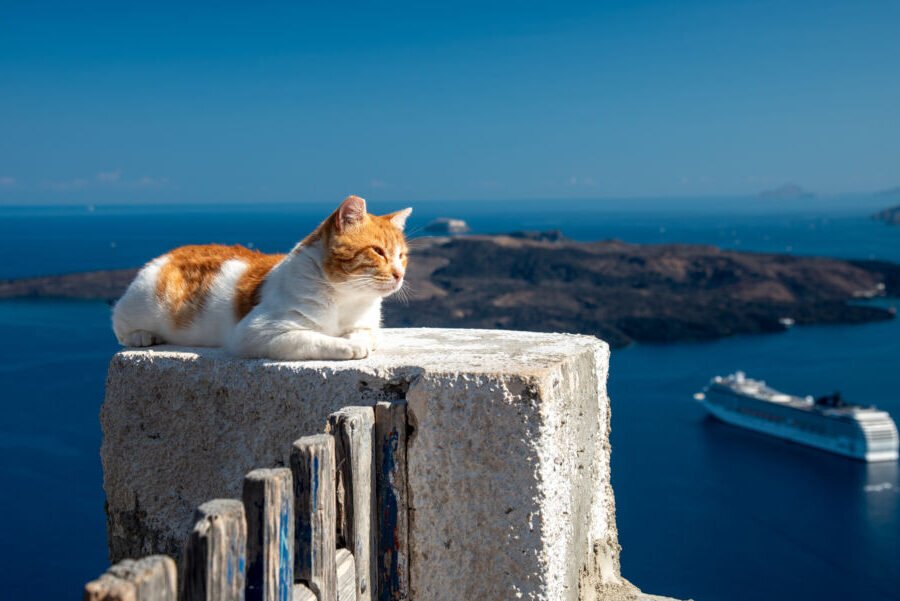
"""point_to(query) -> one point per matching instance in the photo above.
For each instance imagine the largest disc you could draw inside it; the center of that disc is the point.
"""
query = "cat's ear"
(399, 218)
(351, 212)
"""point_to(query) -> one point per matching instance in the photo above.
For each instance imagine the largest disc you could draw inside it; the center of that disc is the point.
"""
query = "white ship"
(826, 423)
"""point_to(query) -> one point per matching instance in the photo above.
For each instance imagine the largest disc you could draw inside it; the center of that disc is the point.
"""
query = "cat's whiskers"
(411, 233)
(402, 294)
(419, 242)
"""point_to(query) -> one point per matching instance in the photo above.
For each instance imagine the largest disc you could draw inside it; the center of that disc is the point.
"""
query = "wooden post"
(269, 505)
(346, 575)
(110, 588)
(301, 593)
(353, 428)
(149, 579)
(214, 556)
(312, 464)
(154, 577)
(390, 489)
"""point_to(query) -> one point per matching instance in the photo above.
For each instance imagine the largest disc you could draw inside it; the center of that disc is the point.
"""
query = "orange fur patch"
(184, 281)
(250, 285)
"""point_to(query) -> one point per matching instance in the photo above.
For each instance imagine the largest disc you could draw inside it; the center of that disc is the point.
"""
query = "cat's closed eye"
(380, 251)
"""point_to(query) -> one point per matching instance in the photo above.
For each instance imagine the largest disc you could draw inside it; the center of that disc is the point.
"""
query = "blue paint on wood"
(305, 492)
(235, 563)
(255, 574)
(387, 524)
(285, 561)
(315, 482)
(315, 505)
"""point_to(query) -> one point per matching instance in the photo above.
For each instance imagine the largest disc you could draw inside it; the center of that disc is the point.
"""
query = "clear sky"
(190, 102)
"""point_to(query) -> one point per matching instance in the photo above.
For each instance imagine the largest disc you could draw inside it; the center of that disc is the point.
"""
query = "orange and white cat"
(320, 301)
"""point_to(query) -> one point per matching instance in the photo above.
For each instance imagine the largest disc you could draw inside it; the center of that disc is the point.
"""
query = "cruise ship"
(826, 423)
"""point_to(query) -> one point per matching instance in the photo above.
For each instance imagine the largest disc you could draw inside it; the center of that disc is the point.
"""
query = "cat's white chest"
(356, 313)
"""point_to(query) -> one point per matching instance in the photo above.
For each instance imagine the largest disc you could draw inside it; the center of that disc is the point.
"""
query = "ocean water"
(704, 510)
(709, 511)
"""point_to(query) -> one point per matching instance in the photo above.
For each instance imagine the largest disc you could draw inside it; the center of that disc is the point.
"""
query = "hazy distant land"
(889, 192)
(786, 192)
(890, 215)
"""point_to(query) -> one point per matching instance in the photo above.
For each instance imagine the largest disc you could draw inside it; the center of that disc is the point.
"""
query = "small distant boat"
(827, 423)
(447, 225)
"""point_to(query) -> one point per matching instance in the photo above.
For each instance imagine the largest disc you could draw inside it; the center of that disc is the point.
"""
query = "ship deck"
(780, 399)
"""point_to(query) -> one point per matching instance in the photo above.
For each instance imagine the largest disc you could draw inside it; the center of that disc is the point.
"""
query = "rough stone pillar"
(508, 456)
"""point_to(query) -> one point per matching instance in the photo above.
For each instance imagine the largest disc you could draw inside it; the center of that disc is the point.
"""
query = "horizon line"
(807, 196)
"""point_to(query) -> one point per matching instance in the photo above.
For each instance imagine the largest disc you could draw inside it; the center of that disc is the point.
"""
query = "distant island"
(890, 215)
(889, 193)
(786, 192)
(619, 292)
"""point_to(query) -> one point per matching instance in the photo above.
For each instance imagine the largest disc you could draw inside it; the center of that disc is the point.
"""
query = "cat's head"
(362, 252)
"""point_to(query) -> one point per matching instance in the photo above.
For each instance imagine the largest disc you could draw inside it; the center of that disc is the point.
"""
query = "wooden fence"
(332, 527)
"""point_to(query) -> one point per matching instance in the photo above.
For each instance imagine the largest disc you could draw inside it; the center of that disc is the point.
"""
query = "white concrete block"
(508, 462)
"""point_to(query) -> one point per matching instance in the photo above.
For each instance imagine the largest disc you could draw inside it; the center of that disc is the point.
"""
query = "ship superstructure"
(828, 423)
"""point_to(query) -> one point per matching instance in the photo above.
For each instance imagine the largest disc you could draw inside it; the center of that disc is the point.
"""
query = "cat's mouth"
(388, 288)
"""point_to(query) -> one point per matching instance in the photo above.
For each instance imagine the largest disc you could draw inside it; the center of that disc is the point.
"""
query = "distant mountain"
(891, 215)
(889, 193)
(786, 192)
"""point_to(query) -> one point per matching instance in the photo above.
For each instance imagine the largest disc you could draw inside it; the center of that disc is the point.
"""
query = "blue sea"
(704, 510)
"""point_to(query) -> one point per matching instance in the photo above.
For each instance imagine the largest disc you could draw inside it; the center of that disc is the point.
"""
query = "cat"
(320, 301)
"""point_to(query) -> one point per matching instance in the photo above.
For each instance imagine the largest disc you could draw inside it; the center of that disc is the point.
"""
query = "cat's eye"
(380, 251)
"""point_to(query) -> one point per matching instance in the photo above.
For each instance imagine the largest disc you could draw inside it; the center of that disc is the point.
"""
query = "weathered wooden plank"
(346, 575)
(315, 540)
(110, 588)
(346, 580)
(214, 557)
(269, 505)
(301, 593)
(353, 429)
(390, 489)
(154, 577)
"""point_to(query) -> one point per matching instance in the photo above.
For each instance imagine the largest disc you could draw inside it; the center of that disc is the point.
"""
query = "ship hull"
(845, 446)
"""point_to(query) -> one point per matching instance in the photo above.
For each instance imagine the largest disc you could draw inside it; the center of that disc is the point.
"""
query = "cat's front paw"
(140, 338)
(365, 338)
(358, 350)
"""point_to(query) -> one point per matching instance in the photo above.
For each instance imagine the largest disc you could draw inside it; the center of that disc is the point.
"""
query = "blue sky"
(159, 102)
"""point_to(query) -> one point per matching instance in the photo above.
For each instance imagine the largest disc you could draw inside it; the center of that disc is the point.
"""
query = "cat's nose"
(398, 275)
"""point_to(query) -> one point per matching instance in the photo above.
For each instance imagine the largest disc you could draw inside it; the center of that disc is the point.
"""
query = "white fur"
(138, 314)
(301, 315)
(399, 218)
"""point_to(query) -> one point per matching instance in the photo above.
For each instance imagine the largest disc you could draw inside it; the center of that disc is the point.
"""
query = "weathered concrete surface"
(508, 465)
